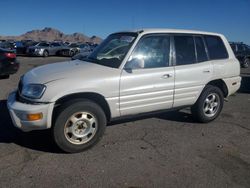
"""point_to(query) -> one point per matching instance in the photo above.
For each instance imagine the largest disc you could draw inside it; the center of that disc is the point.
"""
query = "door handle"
(206, 71)
(165, 76)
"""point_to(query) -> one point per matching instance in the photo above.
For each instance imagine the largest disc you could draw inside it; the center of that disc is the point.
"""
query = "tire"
(45, 53)
(245, 63)
(209, 104)
(90, 123)
(71, 53)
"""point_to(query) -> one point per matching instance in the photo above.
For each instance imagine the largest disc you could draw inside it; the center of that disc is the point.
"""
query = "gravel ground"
(164, 150)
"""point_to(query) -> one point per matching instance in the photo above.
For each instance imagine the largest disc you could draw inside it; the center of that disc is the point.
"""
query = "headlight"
(38, 49)
(33, 91)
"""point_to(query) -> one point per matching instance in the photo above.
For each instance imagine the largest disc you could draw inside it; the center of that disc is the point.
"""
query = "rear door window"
(200, 49)
(216, 47)
(184, 50)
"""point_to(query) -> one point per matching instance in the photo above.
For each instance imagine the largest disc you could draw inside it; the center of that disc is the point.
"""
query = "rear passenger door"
(192, 68)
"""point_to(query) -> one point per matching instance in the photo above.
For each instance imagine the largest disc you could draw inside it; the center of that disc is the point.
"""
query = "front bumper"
(18, 112)
(34, 53)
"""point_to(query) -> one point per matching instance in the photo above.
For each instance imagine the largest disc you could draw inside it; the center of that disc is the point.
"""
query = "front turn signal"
(34, 117)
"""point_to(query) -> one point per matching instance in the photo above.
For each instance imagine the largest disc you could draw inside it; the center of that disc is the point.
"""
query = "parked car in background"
(242, 52)
(153, 70)
(20, 48)
(45, 49)
(8, 45)
(66, 43)
(81, 56)
(85, 50)
(70, 50)
(8, 63)
(75, 48)
(85, 47)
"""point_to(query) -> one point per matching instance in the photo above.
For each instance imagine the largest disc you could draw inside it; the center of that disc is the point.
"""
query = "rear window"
(185, 50)
(216, 47)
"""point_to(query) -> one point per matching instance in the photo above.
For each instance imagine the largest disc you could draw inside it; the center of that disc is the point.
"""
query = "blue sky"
(102, 17)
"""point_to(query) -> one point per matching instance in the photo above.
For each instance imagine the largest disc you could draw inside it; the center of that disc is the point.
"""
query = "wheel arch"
(221, 85)
(46, 50)
(95, 97)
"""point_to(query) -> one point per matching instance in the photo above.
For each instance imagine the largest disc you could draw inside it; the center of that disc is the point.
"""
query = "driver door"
(147, 80)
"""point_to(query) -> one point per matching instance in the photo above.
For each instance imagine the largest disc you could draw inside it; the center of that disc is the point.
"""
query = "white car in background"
(45, 49)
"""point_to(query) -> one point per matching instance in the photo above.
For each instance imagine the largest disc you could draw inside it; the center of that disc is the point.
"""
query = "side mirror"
(134, 63)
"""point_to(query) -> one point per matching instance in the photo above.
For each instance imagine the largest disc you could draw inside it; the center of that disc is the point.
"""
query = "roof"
(161, 30)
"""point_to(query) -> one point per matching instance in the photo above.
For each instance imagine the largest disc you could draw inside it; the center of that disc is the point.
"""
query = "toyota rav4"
(130, 73)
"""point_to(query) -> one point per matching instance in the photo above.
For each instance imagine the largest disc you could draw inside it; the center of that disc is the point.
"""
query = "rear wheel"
(209, 104)
(79, 125)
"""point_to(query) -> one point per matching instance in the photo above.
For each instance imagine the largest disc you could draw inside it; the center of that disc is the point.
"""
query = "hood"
(65, 70)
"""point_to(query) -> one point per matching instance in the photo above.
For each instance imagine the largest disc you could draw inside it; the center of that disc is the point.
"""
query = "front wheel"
(209, 104)
(45, 53)
(79, 125)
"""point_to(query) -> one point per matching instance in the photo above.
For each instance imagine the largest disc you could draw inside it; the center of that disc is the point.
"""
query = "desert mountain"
(51, 34)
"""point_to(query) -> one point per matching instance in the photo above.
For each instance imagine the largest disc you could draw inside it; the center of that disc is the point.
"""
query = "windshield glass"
(73, 45)
(43, 44)
(83, 46)
(112, 50)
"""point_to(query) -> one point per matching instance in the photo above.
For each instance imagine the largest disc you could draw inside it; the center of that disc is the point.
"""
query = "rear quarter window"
(200, 49)
(216, 48)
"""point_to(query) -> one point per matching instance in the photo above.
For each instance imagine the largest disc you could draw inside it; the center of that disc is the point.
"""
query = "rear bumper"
(18, 112)
(233, 84)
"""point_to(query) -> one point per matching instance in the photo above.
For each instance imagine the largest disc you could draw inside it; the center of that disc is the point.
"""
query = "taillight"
(10, 55)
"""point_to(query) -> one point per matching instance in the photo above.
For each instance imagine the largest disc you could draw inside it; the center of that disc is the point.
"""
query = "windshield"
(112, 50)
(83, 46)
(43, 44)
(73, 45)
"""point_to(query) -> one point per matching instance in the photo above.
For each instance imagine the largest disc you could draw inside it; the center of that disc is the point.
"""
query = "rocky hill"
(51, 34)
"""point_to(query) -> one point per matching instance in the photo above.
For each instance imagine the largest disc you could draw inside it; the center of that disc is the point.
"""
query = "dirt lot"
(165, 150)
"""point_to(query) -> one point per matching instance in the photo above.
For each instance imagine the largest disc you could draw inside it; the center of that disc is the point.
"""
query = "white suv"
(129, 73)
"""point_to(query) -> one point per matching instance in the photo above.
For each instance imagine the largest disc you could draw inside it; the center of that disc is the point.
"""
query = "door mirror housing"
(134, 63)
